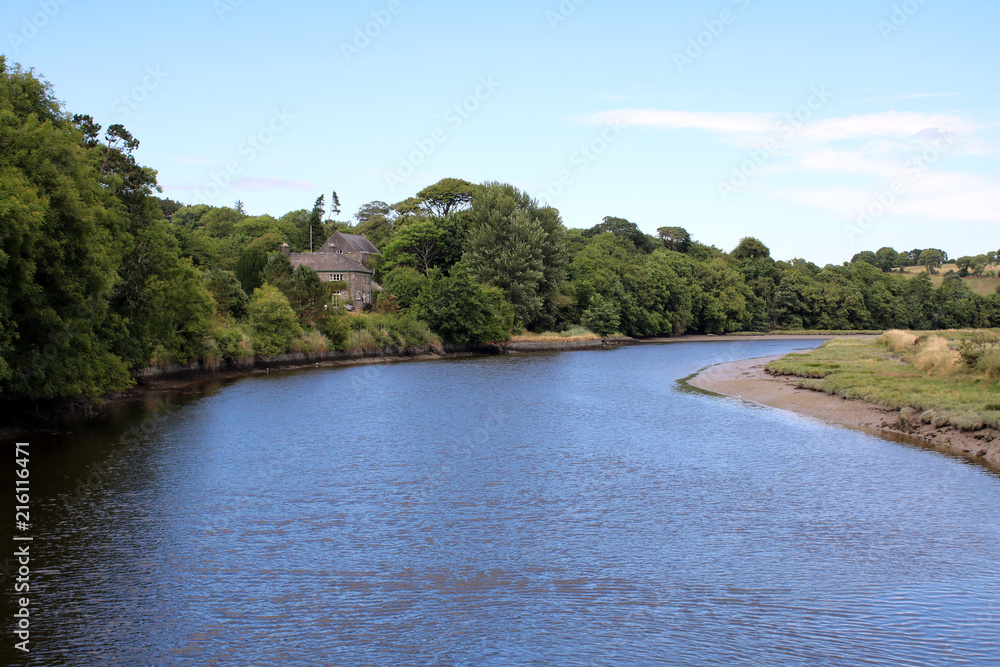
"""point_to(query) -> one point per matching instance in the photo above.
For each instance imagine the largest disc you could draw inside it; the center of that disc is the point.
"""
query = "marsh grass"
(927, 377)
(898, 341)
(572, 334)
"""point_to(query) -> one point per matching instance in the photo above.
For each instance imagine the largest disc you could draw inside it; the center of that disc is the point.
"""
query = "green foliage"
(626, 230)
(931, 258)
(377, 330)
(415, 244)
(307, 294)
(63, 238)
(335, 325)
(405, 283)
(602, 317)
(447, 196)
(250, 269)
(750, 248)
(517, 247)
(374, 223)
(675, 238)
(461, 310)
(272, 321)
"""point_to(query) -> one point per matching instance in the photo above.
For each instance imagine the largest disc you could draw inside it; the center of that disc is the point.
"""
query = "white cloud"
(719, 123)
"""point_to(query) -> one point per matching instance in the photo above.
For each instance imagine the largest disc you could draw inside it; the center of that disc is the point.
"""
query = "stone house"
(353, 246)
(341, 259)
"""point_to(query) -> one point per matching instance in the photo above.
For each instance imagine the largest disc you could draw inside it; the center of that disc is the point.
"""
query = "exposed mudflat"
(747, 380)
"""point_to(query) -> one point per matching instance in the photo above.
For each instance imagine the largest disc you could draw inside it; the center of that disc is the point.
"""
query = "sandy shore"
(747, 380)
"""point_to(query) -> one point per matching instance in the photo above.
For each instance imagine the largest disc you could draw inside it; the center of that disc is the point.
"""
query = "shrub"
(335, 325)
(272, 321)
(313, 343)
(989, 363)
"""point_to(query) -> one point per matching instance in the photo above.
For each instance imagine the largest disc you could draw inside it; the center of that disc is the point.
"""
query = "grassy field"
(981, 286)
(940, 378)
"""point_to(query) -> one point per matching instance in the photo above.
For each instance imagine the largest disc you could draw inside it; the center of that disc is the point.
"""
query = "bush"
(989, 363)
(460, 310)
(335, 326)
(312, 343)
(272, 321)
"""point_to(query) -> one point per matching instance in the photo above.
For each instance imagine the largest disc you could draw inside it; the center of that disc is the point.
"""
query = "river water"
(564, 509)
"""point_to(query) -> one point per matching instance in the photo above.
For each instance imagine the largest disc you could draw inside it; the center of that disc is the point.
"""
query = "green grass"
(953, 393)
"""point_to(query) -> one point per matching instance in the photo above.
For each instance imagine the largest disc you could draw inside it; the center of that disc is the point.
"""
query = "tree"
(316, 228)
(416, 244)
(749, 247)
(603, 317)
(866, 256)
(447, 196)
(221, 222)
(226, 290)
(516, 246)
(308, 295)
(405, 283)
(931, 258)
(272, 321)
(250, 269)
(374, 223)
(623, 228)
(674, 238)
(240, 208)
(62, 242)
(885, 258)
(979, 264)
(334, 205)
(460, 310)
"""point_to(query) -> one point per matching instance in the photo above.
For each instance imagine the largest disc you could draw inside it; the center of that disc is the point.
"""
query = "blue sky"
(820, 128)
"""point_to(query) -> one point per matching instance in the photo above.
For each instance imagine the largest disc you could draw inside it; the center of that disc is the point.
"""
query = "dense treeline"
(100, 277)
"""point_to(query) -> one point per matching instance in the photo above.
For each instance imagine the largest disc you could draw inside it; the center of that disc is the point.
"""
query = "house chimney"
(285, 248)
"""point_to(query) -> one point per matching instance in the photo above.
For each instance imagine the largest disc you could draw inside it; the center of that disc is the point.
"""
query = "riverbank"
(748, 380)
(17, 419)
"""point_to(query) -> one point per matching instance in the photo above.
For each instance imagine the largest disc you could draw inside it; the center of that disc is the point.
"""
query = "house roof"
(327, 261)
(352, 242)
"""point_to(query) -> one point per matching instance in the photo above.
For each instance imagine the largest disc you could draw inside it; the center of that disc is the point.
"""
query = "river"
(563, 509)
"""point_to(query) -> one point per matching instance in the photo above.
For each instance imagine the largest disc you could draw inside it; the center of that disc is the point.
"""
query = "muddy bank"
(748, 380)
(19, 418)
(722, 338)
